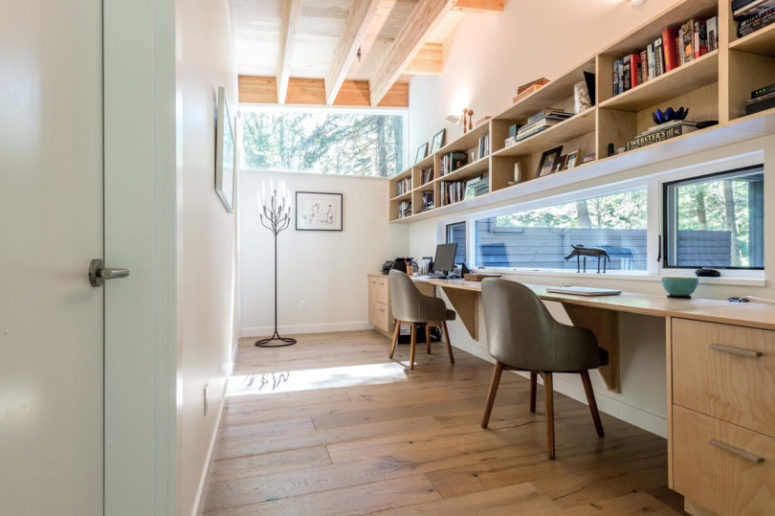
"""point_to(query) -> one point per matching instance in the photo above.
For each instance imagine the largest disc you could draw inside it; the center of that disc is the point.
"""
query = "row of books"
(404, 209)
(538, 122)
(403, 186)
(426, 175)
(428, 200)
(662, 132)
(751, 20)
(456, 191)
(743, 9)
(453, 161)
(484, 146)
(670, 50)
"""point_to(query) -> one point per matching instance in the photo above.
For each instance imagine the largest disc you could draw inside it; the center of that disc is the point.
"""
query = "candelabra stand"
(275, 218)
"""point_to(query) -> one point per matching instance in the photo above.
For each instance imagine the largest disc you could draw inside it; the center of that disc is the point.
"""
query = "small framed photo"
(574, 159)
(422, 153)
(318, 211)
(560, 163)
(438, 140)
(548, 160)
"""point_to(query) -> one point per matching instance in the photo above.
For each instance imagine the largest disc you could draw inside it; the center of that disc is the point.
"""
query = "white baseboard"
(564, 384)
(295, 329)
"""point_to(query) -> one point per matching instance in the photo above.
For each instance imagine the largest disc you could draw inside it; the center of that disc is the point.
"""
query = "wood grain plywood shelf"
(574, 127)
(690, 76)
(761, 42)
(472, 169)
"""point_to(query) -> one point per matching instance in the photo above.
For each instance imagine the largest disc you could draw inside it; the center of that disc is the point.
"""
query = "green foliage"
(324, 142)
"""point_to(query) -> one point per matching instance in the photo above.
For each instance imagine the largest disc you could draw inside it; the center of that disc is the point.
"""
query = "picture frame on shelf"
(574, 159)
(560, 163)
(422, 153)
(438, 140)
(548, 160)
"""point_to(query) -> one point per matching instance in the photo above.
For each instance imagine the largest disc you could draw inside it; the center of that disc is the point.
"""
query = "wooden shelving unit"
(713, 87)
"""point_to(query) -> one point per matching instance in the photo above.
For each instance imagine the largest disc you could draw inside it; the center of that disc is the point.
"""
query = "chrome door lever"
(98, 274)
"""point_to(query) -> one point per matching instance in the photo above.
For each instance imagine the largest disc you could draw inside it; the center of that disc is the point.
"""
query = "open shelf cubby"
(714, 87)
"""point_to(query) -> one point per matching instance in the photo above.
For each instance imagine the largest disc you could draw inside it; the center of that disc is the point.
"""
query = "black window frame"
(664, 245)
(449, 227)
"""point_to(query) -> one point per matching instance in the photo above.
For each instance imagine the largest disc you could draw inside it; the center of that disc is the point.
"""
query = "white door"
(51, 226)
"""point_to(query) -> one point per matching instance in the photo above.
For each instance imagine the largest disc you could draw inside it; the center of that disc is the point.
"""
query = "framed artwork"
(224, 151)
(318, 211)
(548, 160)
(574, 159)
(560, 164)
(422, 152)
(438, 140)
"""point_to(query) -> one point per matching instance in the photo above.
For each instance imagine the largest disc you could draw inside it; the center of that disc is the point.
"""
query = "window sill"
(750, 279)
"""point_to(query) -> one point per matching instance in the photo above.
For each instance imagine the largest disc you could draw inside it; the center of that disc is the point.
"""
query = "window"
(542, 238)
(456, 234)
(323, 140)
(716, 221)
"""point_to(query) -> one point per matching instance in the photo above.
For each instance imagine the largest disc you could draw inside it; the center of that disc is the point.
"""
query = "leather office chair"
(411, 307)
(523, 335)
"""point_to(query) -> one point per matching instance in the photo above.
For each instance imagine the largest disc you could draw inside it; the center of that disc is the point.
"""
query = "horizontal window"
(715, 221)
(327, 141)
(612, 227)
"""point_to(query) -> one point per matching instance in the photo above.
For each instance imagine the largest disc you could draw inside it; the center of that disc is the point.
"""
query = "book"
(752, 8)
(659, 55)
(669, 49)
(652, 70)
(626, 74)
(758, 22)
(586, 158)
(660, 135)
(687, 41)
(700, 45)
(617, 74)
(643, 67)
(712, 30)
(634, 65)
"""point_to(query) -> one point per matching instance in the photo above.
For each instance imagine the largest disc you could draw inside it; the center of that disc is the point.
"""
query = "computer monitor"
(445, 258)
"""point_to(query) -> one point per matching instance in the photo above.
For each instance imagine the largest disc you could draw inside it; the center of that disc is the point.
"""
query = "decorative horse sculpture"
(580, 251)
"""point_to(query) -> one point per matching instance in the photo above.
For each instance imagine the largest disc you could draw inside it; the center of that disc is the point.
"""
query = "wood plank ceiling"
(342, 52)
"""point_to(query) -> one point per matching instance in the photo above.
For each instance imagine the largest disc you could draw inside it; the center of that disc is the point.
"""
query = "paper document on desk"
(584, 291)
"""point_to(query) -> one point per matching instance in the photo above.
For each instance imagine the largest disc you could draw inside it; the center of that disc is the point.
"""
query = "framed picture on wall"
(224, 151)
(318, 211)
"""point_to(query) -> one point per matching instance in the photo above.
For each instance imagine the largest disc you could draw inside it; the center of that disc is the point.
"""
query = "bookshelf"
(713, 87)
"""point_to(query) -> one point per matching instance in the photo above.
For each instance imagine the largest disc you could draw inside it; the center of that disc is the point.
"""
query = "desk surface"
(759, 315)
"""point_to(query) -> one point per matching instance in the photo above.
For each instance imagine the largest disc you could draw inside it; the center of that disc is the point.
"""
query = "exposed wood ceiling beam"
(355, 28)
(479, 5)
(424, 17)
(428, 61)
(290, 17)
(263, 90)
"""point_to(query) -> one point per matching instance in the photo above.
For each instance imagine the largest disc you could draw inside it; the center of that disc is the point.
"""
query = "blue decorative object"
(669, 115)
(680, 287)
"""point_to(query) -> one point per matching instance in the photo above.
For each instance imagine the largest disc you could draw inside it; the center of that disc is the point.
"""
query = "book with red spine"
(700, 39)
(634, 65)
(669, 37)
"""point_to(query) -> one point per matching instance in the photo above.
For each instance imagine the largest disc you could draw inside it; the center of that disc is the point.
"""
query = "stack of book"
(662, 132)
(426, 175)
(453, 161)
(761, 100)
(484, 146)
(404, 209)
(476, 186)
(753, 15)
(542, 120)
(427, 200)
(674, 47)
(452, 192)
(403, 186)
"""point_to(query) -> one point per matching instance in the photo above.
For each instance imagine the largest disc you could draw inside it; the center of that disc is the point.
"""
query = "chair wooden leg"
(533, 378)
(449, 343)
(496, 378)
(549, 396)
(396, 333)
(592, 403)
(428, 338)
(412, 342)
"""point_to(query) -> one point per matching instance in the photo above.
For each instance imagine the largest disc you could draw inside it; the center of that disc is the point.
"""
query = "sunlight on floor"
(310, 379)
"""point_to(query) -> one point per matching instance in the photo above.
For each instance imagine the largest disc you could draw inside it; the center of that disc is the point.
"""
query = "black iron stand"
(275, 219)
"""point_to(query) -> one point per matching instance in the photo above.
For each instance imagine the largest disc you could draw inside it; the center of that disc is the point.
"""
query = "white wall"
(206, 239)
(520, 51)
(327, 269)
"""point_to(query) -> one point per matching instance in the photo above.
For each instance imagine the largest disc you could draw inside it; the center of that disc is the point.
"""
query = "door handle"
(98, 274)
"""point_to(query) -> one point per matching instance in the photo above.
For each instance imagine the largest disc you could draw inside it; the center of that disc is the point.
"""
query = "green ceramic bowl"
(679, 287)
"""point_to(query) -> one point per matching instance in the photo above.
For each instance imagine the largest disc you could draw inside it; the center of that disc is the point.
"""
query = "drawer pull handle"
(737, 451)
(736, 351)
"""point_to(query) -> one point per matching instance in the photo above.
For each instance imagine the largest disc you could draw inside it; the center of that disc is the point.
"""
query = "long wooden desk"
(720, 386)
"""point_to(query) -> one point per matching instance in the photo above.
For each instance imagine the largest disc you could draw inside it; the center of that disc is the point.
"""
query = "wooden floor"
(369, 435)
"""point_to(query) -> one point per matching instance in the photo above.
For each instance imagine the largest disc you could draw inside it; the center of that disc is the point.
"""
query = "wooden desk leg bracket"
(605, 325)
(466, 304)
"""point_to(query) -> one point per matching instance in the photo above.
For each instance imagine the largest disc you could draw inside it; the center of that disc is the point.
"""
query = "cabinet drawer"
(381, 317)
(378, 288)
(725, 371)
(715, 464)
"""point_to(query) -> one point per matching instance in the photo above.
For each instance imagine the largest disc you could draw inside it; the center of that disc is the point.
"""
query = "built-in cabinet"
(380, 315)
